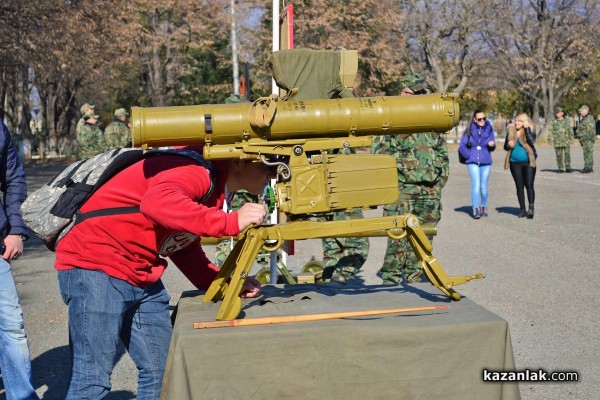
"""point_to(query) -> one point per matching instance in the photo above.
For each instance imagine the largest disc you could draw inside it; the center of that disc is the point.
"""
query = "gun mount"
(297, 138)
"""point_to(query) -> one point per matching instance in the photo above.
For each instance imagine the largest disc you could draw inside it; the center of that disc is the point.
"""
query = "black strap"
(80, 217)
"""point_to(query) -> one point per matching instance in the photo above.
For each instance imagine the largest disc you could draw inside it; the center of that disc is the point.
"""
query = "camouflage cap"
(583, 107)
(559, 109)
(120, 111)
(86, 108)
(234, 98)
(88, 116)
(414, 82)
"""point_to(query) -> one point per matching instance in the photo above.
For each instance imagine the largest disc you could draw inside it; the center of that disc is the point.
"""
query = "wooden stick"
(284, 319)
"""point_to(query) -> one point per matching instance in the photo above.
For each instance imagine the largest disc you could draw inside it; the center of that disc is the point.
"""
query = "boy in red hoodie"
(109, 267)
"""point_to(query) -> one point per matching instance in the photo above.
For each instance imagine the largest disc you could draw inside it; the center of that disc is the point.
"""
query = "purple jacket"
(480, 152)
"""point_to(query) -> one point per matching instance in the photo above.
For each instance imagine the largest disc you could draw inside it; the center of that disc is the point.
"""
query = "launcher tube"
(230, 123)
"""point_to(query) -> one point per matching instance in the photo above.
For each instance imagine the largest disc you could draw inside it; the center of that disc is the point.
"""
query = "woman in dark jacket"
(476, 145)
(520, 157)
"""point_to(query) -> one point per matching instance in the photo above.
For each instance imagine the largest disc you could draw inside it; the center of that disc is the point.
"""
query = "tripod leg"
(429, 264)
(232, 304)
(217, 288)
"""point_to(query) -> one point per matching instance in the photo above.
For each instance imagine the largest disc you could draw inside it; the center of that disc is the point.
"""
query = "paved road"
(541, 277)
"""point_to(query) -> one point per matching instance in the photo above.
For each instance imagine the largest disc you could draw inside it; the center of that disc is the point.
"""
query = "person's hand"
(250, 288)
(526, 124)
(14, 247)
(468, 145)
(511, 144)
(251, 213)
(491, 143)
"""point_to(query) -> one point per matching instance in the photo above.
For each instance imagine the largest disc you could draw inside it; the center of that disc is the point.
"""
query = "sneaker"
(484, 211)
(476, 213)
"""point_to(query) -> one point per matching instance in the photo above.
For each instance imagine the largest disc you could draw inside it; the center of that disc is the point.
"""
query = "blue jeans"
(479, 183)
(105, 311)
(15, 364)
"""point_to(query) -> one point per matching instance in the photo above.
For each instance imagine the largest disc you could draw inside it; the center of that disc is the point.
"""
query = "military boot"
(523, 213)
(414, 277)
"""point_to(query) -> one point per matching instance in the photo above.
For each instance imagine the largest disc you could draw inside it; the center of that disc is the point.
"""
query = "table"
(422, 355)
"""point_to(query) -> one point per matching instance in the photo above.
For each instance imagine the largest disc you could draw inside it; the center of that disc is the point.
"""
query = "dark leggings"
(524, 175)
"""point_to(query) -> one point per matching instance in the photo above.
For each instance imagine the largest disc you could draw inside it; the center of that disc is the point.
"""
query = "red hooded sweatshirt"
(167, 188)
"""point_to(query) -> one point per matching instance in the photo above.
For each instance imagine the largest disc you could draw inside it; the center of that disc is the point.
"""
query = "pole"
(234, 55)
(307, 317)
(274, 88)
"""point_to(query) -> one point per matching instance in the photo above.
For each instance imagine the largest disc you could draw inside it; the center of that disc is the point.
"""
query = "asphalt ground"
(541, 276)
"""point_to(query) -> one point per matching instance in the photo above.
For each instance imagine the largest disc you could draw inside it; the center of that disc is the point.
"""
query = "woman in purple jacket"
(476, 145)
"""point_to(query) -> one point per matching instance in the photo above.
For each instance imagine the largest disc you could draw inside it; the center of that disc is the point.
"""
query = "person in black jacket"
(15, 363)
(520, 158)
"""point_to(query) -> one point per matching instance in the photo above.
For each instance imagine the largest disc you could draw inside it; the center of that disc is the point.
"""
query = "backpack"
(52, 210)
(461, 158)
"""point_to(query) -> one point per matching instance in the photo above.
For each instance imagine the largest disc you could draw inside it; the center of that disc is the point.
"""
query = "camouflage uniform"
(90, 140)
(343, 257)
(561, 136)
(586, 133)
(423, 168)
(117, 133)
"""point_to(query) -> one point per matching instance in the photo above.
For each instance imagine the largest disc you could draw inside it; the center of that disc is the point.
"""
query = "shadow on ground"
(51, 372)
(508, 210)
(464, 209)
(557, 171)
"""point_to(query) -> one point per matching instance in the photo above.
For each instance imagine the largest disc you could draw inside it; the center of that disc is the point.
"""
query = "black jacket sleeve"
(530, 137)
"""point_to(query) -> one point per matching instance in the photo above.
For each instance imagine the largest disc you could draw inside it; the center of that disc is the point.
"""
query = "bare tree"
(168, 32)
(444, 41)
(543, 48)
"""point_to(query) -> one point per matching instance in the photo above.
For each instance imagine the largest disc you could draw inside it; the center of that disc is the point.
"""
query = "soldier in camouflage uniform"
(343, 257)
(561, 136)
(423, 168)
(117, 133)
(90, 138)
(224, 247)
(586, 133)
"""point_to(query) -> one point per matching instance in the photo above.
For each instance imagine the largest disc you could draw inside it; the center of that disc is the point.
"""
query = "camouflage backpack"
(51, 211)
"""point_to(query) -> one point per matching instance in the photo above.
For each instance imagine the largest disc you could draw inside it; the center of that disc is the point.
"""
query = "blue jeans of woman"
(15, 364)
(479, 183)
(105, 311)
